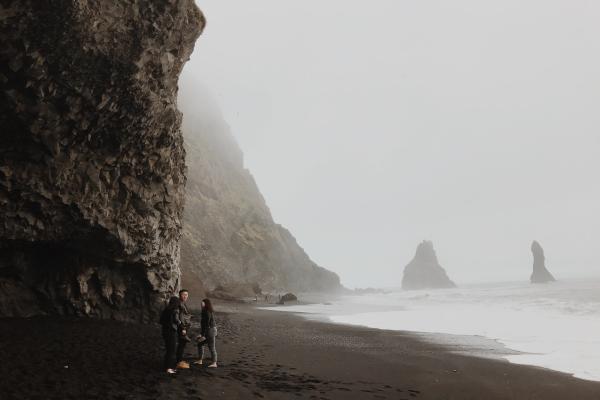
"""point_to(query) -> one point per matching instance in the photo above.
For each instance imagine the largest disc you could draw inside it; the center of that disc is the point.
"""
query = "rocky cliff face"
(540, 274)
(91, 154)
(424, 271)
(229, 235)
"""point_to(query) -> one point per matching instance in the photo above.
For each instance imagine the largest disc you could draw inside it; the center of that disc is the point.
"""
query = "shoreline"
(472, 345)
(538, 336)
(436, 369)
(262, 354)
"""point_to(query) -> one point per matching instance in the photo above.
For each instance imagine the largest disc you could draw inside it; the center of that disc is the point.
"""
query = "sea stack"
(540, 274)
(424, 271)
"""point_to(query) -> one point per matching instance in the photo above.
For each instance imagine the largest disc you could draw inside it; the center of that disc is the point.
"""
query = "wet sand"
(263, 355)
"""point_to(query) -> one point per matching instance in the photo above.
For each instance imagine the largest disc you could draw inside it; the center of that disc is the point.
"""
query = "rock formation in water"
(229, 235)
(424, 271)
(91, 155)
(540, 274)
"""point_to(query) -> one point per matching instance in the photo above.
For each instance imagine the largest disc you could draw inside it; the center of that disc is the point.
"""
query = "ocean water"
(555, 326)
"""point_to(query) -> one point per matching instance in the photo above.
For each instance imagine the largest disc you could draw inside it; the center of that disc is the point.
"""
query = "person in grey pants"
(208, 329)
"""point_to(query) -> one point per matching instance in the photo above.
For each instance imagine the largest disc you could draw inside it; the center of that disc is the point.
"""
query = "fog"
(370, 126)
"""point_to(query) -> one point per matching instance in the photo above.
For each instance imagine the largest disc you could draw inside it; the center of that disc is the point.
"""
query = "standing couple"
(175, 321)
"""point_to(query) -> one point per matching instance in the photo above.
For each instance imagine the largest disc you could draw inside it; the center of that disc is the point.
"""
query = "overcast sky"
(372, 125)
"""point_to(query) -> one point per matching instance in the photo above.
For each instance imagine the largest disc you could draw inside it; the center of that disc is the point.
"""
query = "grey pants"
(211, 343)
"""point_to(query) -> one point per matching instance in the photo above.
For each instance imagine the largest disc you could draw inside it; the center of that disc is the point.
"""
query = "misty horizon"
(470, 124)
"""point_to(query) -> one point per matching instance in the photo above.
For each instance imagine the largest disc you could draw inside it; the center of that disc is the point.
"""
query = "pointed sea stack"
(424, 271)
(540, 274)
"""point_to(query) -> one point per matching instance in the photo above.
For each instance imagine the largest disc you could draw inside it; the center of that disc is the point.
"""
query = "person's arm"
(177, 321)
(204, 324)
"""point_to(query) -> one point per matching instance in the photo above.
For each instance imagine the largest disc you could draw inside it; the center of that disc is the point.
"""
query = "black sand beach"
(263, 354)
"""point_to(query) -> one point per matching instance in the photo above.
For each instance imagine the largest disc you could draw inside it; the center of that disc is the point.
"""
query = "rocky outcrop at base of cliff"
(540, 273)
(229, 236)
(424, 271)
(236, 292)
(91, 155)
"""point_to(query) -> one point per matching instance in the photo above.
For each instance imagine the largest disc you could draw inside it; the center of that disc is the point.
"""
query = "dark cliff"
(229, 236)
(91, 154)
(424, 271)
(540, 273)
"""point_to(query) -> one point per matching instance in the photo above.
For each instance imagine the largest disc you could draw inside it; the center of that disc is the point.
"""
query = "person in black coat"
(171, 325)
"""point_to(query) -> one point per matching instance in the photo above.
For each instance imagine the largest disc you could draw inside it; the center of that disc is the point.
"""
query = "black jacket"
(207, 320)
(169, 319)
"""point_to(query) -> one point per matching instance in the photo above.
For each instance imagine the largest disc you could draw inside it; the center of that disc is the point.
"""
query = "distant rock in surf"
(540, 274)
(424, 271)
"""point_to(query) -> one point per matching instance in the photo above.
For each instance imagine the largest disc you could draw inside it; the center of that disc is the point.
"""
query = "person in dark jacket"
(171, 325)
(185, 316)
(208, 328)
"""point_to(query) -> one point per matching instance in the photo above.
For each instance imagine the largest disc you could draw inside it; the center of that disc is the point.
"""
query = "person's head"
(207, 305)
(183, 295)
(173, 303)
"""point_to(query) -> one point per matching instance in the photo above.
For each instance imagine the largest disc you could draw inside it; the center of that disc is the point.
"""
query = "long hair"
(207, 305)
(173, 303)
(165, 315)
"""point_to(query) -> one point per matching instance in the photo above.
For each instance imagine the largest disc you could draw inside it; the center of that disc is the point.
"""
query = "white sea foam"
(554, 326)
